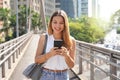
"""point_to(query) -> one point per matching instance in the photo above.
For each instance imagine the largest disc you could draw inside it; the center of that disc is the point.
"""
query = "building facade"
(69, 6)
(49, 7)
(88, 7)
(57, 4)
(84, 7)
(5, 4)
(94, 8)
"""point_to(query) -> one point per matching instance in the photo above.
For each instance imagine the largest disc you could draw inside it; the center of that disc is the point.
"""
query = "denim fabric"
(49, 75)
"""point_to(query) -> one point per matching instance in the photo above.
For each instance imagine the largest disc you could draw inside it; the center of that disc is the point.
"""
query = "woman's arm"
(70, 56)
(39, 57)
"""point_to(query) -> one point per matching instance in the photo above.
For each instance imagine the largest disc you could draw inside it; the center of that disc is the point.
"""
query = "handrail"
(91, 58)
(94, 57)
(10, 51)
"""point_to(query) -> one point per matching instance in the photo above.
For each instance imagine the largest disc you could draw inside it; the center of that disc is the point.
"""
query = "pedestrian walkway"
(28, 58)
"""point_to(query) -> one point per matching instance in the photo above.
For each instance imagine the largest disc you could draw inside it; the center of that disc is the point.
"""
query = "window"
(5, 2)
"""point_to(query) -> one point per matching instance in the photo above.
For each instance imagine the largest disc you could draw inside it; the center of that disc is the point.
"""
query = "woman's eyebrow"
(54, 20)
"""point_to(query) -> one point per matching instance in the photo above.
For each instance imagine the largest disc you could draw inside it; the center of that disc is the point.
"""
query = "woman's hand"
(63, 51)
(55, 51)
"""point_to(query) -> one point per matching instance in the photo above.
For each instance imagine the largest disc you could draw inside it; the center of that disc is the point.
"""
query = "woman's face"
(57, 24)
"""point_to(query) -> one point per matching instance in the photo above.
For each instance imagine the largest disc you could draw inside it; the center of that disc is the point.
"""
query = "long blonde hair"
(66, 33)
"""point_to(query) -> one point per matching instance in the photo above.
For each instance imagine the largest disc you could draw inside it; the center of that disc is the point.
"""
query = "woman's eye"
(62, 23)
(54, 22)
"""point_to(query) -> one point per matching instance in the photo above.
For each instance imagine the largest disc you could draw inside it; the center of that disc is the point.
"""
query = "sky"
(108, 7)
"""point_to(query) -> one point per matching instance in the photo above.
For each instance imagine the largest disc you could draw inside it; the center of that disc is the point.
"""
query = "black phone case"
(58, 43)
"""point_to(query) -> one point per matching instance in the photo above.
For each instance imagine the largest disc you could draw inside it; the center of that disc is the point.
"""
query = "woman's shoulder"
(73, 39)
(43, 34)
(46, 34)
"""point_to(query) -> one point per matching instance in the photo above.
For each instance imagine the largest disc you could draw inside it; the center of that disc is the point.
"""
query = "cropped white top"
(56, 62)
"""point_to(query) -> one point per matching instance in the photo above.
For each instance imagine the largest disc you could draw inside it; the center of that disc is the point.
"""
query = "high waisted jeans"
(49, 75)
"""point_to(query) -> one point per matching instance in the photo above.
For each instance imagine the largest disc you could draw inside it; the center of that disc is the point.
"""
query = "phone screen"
(58, 43)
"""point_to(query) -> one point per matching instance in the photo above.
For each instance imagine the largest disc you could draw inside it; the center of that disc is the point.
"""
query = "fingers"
(55, 51)
(64, 51)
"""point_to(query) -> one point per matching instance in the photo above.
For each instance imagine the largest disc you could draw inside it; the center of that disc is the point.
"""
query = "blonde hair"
(66, 33)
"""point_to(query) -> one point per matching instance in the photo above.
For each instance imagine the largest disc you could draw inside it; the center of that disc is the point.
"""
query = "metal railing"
(10, 52)
(97, 63)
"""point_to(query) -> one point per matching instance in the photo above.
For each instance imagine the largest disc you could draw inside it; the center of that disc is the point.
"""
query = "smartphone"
(58, 43)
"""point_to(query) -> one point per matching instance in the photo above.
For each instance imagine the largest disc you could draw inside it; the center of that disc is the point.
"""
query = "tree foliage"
(4, 16)
(22, 19)
(86, 29)
(36, 21)
(115, 18)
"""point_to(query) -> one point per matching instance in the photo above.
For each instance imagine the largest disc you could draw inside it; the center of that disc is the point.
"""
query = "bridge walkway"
(28, 58)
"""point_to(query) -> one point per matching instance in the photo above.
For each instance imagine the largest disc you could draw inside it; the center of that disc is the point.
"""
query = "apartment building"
(93, 8)
(49, 7)
(84, 7)
(89, 8)
(5, 4)
(57, 4)
(69, 6)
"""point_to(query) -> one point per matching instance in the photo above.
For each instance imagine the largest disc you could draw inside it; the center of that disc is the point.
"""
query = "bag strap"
(45, 43)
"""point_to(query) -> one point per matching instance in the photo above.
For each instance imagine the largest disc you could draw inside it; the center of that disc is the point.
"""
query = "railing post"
(9, 61)
(91, 65)
(113, 69)
(3, 67)
(80, 61)
(13, 58)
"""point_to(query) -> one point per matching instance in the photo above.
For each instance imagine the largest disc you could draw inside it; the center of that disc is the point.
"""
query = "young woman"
(57, 61)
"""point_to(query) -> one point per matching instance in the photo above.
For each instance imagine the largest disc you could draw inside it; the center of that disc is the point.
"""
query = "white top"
(56, 62)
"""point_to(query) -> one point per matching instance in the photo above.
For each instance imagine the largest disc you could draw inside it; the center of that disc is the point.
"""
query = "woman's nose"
(58, 25)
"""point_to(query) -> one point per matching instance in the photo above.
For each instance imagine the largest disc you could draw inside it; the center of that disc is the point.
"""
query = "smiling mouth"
(58, 29)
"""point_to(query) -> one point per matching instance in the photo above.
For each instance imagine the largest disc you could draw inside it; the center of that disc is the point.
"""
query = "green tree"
(115, 18)
(86, 29)
(22, 20)
(13, 24)
(5, 16)
(36, 21)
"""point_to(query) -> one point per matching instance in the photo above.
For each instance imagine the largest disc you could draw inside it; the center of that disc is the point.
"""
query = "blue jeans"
(49, 75)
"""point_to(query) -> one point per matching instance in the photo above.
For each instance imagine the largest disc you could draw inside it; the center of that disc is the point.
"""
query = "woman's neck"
(57, 36)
